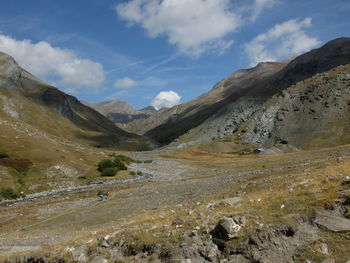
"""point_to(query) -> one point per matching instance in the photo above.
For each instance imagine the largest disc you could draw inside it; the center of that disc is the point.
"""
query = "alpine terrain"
(254, 171)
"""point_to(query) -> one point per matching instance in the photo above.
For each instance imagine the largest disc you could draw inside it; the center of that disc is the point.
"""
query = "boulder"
(333, 222)
(228, 227)
(80, 254)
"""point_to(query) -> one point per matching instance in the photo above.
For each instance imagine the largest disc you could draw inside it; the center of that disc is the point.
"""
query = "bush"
(119, 164)
(109, 171)
(104, 164)
(3, 155)
(9, 193)
(132, 173)
(111, 167)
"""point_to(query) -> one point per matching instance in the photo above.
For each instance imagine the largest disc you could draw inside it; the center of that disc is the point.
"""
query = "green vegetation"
(110, 167)
(132, 173)
(3, 155)
(110, 171)
(8, 193)
(125, 159)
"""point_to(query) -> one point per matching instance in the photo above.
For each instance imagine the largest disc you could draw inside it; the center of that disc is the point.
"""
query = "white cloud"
(259, 6)
(125, 83)
(280, 42)
(194, 26)
(166, 99)
(45, 61)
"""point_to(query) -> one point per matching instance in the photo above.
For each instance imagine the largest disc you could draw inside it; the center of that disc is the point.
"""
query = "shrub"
(3, 155)
(119, 164)
(110, 171)
(82, 177)
(9, 193)
(112, 167)
(104, 164)
(132, 173)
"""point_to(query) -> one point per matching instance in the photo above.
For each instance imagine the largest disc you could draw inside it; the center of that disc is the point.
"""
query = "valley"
(254, 171)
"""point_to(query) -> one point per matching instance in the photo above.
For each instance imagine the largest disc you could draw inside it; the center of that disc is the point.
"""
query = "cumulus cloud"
(125, 83)
(166, 99)
(280, 42)
(194, 26)
(63, 65)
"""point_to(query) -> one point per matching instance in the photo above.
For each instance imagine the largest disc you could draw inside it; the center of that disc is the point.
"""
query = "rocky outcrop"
(232, 101)
(311, 113)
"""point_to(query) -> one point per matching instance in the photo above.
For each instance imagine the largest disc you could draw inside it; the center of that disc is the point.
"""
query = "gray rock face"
(304, 114)
(332, 222)
(278, 244)
(228, 227)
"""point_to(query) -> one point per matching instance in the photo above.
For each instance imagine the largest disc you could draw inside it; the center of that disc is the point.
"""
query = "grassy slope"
(46, 142)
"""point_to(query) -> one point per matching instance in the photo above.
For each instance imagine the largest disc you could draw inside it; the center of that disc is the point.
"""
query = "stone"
(116, 255)
(99, 259)
(230, 201)
(324, 249)
(80, 254)
(332, 222)
(346, 180)
(228, 227)
(104, 244)
(210, 251)
(177, 222)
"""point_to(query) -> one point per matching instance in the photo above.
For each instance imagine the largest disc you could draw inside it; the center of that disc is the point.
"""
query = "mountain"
(168, 124)
(20, 87)
(149, 110)
(231, 102)
(121, 112)
(312, 113)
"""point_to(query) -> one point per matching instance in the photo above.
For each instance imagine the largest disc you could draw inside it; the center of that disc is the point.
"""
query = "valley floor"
(187, 186)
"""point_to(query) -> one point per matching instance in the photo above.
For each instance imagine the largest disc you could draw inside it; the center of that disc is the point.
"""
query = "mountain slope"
(232, 101)
(312, 113)
(168, 124)
(93, 126)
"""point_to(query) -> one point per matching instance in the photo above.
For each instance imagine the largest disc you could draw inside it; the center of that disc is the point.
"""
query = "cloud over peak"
(166, 99)
(282, 41)
(62, 65)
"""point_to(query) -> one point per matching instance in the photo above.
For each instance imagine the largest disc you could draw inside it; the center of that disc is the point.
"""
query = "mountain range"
(270, 108)
(239, 99)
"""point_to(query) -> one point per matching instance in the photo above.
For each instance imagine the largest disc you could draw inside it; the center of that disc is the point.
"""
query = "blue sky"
(134, 50)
